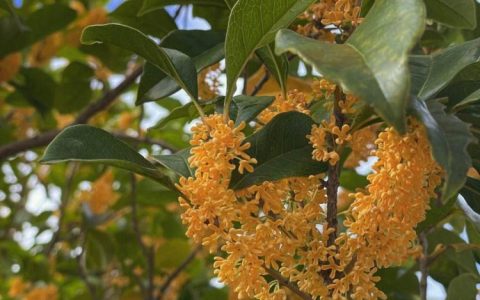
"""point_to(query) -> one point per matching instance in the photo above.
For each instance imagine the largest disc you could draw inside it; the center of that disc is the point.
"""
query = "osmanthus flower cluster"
(277, 232)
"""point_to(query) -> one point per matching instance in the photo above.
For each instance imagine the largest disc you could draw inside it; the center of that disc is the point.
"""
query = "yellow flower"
(41, 52)
(48, 292)
(17, 287)
(9, 66)
(102, 196)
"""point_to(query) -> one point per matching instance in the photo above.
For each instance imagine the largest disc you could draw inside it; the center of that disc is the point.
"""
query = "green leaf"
(74, 91)
(454, 13)
(248, 107)
(172, 253)
(377, 52)
(230, 3)
(89, 144)
(282, 150)
(41, 23)
(351, 180)
(174, 63)
(204, 47)
(177, 162)
(451, 263)
(38, 89)
(463, 287)
(152, 5)
(156, 23)
(470, 213)
(432, 73)
(243, 39)
(276, 64)
(471, 99)
(449, 137)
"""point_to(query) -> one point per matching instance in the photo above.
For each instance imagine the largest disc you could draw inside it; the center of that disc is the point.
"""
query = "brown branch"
(177, 271)
(286, 283)
(260, 84)
(45, 138)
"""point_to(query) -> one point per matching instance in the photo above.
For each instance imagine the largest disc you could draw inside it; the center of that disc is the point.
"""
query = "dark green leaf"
(471, 99)
(248, 108)
(472, 215)
(89, 144)
(451, 263)
(204, 47)
(74, 91)
(243, 38)
(351, 180)
(276, 64)
(41, 23)
(172, 253)
(375, 53)
(449, 137)
(455, 13)
(177, 162)
(463, 287)
(282, 150)
(156, 23)
(432, 73)
(174, 63)
(38, 89)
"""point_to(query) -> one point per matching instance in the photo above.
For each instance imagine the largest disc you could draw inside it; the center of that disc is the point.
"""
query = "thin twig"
(148, 252)
(45, 138)
(82, 269)
(177, 271)
(286, 283)
(261, 83)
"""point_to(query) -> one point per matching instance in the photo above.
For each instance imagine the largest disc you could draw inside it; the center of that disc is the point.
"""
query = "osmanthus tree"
(346, 168)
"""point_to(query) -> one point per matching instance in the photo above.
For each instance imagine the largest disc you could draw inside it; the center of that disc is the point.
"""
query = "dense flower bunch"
(209, 203)
(20, 289)
(381, 224)
(276, 232)
(326, 18)
(101, 196)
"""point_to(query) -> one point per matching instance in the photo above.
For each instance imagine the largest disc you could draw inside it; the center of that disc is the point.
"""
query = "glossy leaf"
(434, 72)
(248, 107)
(282, 150)
(276, 64)
(471, 99)
(204, 47)
(454, 13)
(89, 144)
(174, 63)
(74, 90)
(243, 38)
(472, 215)
(463, 287)
(177, 162)
(450, 138)
(156, 23)
(377, 52)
